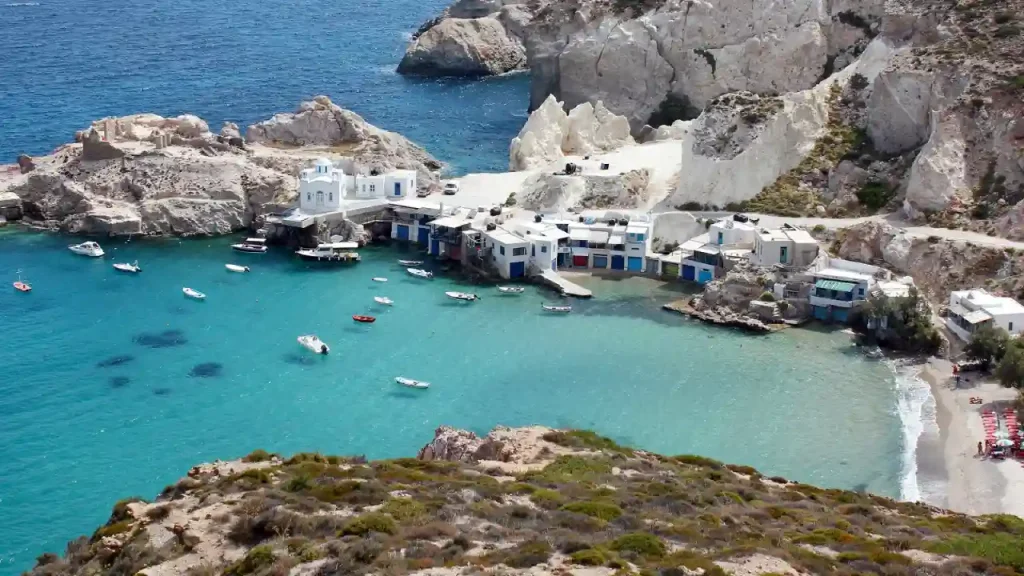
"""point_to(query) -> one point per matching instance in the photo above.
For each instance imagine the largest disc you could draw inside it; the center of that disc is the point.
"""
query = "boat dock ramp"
(555, 280)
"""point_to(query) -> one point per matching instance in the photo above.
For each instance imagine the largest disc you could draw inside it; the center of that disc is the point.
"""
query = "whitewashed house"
(412, 219)
(367, 187)
(399, 184)
(637, 237)
(510, 253)
(786, 246)
(730, 232)
(971, 309)
(321, 188)
(840, 286)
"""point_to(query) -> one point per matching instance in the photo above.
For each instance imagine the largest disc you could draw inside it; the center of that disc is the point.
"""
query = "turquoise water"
(75, 436)
(242, 62)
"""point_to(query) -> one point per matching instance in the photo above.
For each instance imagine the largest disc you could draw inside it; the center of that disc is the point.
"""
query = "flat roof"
(415, 203)
(617, 239)
(991, 303)
(599, 236)
(505, 237)
(835, 285)
(801, 237)
(452, 222)
(840, 274)
(579, 233)
(637, 228)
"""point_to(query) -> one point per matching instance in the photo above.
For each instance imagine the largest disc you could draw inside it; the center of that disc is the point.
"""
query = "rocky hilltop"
(145, 174)
(528, 501)
(801, 107)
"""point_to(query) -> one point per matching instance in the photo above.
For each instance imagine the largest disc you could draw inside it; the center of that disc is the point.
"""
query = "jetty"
(721, 317)
(567, 288)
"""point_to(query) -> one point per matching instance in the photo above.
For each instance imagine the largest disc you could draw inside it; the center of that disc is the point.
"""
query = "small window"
(502, 250)
(639, 237)
(330, 196)
(309, 196)
(373, 187)
(1011, 327)
(519, 251)
(543, 249)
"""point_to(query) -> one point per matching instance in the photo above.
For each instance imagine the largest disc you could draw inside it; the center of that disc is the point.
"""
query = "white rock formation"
(464, 47)
(898, 110)
(550, 134)
(939, 171)
(552, 192)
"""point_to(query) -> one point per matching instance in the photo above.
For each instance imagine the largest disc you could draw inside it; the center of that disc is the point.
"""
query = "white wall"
(369, 186)
(1012, 323)
(543, 253)
(321, 194)
(731, 235)
(404, 179)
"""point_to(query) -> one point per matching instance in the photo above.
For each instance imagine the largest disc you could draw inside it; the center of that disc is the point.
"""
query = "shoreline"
(972, 485)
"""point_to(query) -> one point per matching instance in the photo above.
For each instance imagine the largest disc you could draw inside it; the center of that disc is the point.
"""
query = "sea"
(113, 385)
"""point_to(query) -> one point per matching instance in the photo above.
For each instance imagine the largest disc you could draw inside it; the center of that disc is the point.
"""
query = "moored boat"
(313, 344)
(411, 262)
(383, 300)
(89, 248)
(364, 319)
(331, 252)
(379, 279)
(464, 296)
(558, 309)
(22, 286)
(236, 268)
(511, 289)
(194, 294)
(420, 273)
(134, 267)
(409, 382)
(251, 245)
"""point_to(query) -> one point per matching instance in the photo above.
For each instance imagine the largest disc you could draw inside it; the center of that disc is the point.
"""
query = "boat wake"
(915, 406)
(20, 4)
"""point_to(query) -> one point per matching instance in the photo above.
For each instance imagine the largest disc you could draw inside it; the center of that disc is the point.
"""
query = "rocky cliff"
(145, 174)
(528, 501)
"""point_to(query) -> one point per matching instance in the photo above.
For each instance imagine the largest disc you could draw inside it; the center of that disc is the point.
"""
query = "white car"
(451, 188)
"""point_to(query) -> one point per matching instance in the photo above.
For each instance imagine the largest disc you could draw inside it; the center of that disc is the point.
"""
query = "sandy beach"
(975, 485)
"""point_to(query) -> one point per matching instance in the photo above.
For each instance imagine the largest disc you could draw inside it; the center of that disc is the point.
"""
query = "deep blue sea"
(64, 63)
(104, 394)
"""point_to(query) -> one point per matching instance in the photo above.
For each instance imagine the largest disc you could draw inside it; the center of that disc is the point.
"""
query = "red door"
(580, 261)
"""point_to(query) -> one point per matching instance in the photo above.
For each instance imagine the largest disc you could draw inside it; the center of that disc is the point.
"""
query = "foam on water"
(915, 406)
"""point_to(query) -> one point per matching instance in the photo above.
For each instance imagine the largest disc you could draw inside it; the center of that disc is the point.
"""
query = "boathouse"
(509, 252)
(412, 218)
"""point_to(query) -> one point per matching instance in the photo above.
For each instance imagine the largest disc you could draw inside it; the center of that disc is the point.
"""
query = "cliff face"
(531, 501)
(145, 174)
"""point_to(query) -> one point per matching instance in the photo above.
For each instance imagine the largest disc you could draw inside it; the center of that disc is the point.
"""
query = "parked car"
(451, 188)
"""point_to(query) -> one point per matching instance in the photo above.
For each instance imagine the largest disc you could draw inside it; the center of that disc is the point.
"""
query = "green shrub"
(874, 195)
(511, 200)
(766, 296)
(306, 457)
(546, 498)
(404, 509)
(584, 439)
(120, 511)
(818, 228)
(258, 456)
(298, 483)
(1010, 370)
(113, 529)
(157, 513)
(566, 468)
(523, 555)
(589, 557)
(257, 559)
(606, 511)
(699, 461)
(371, 522)
(641, 543)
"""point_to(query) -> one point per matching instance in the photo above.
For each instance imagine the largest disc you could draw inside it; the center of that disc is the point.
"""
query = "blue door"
(618, 262)
(840, 314)
(635, 264)
(688, 272)
(821, 313)
(424, 235)
(704, 276)
(561, 259)
(435, 247)
(600, 261)
(517, 269)
(403, 232)
(398, 188)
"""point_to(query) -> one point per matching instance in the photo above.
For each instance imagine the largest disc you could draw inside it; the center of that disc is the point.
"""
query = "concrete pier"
(555, 280)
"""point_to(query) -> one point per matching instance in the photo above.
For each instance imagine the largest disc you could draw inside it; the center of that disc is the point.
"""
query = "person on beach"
(979, 448)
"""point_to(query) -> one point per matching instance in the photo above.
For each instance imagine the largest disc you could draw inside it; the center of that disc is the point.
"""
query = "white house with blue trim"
(510, 253)
(841, 286)
(322, 187)
(412, 219)
(637, 236)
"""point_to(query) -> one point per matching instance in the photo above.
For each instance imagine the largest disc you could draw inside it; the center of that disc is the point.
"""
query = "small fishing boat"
(314, 344)
(236, 268)
(89, 248)
(251, 245)
(364, 319)
(22, 286)
(420, 273)
(511, 289)
(464, 296)
(379, 279)
(411, 262)
(134, 267)
(331, 252)
(383, 300)
(558, 309)
(409, 382)
(194, 294)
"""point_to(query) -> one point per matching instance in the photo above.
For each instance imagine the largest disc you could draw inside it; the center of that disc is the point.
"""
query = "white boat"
(236, 268)
(336, 252)
(511, 289)
(314, 344)
(134, 267)
(251, 245)
(383, 300)
(89, 248)
(465, 296)
(411, 262)
(559, 309)
(379, 279)
(420, 273)
(412, 383)
(194, 293)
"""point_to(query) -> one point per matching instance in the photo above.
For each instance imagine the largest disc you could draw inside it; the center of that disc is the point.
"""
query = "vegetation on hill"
(594, 503)
(902, 324)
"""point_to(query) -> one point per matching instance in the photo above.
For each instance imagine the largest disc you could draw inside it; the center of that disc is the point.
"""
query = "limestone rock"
(550, 134)
(464, 47)
(553, 191)
(190, 126)
(230, 130)
(898, 110)
(939, 172)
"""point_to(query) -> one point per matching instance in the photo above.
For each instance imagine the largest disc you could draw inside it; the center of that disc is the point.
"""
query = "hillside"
(526, 501)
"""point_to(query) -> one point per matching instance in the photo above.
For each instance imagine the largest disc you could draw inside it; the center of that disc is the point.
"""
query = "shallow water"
(67, 63)
(116, 384)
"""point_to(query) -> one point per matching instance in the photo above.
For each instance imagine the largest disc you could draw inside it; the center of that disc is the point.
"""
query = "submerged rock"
(165, 339)
(119, 381)
(207, 370)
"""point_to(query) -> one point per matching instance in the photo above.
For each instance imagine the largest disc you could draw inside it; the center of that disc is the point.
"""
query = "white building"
(730, 232)
(369, 186)
(637, 237)
(400, 184)
(786, 246)
(701, 264)
(841, 285)
(971, 309)
(412, 219)
(321, 188)
(510, 253)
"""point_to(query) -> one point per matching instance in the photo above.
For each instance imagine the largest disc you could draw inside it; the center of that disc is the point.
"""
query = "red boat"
(367, 319)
